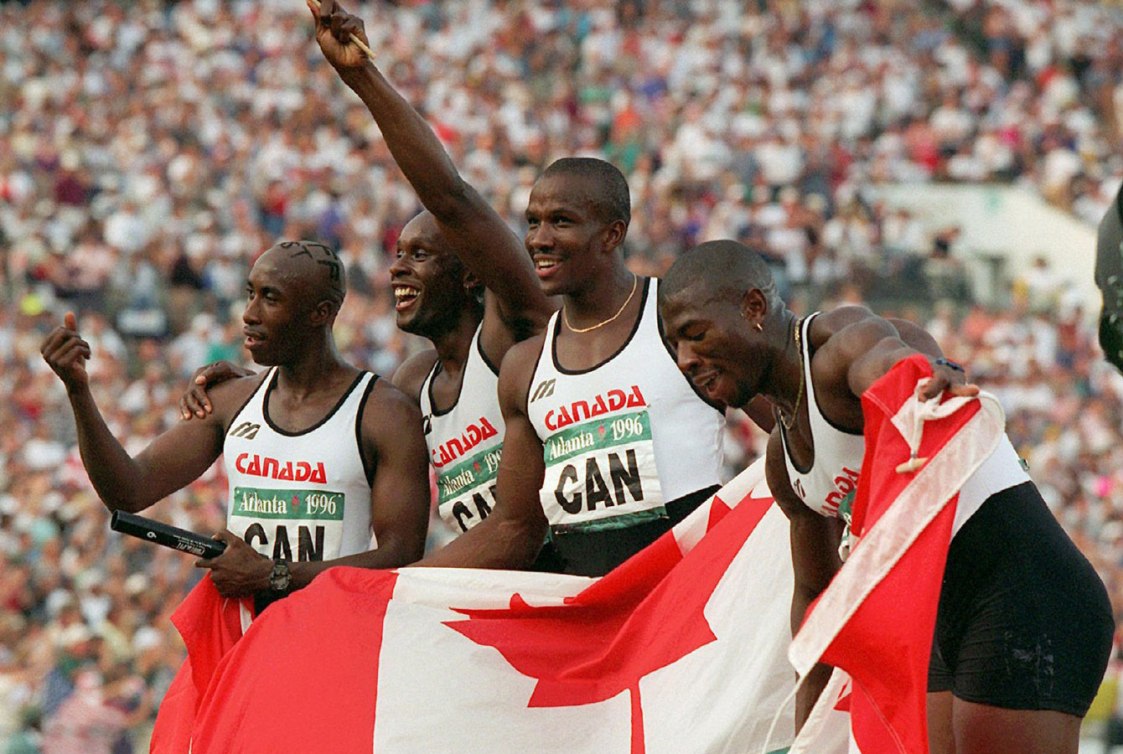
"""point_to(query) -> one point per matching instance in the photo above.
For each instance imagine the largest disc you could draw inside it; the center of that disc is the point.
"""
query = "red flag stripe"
(929, 491)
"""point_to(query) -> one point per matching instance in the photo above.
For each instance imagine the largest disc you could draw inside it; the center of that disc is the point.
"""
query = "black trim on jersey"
(810, 387)
(480, 347)
(627, 341)
(317, 425)
(438, 367)
(369, 464)
(788, 452)
(246, 402)
(674, 362)
(534, 372)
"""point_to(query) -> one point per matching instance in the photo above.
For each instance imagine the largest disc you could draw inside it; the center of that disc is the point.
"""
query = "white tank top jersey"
(465, 442)
(828, 487)
(305, 495)
(625, 437)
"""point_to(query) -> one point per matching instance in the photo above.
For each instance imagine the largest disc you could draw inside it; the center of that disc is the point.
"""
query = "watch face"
(280, 577)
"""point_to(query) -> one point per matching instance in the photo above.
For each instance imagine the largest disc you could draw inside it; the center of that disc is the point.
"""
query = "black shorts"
(595, 553)
(1024, 621)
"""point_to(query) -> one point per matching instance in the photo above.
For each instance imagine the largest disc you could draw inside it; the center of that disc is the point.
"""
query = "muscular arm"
(814, 542)
(399, 498)
(858, 347)
(512, 535)
(480, 237)
(171, 461)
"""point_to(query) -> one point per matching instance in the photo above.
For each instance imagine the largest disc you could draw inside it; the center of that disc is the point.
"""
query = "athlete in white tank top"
(299, 496)
(828, 486)
(616, 449)
(465, 441)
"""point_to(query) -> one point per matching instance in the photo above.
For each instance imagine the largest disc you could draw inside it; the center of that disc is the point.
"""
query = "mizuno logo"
(544, 390)
(248, 430)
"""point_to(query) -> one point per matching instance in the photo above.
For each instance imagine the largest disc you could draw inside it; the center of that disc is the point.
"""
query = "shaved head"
(317, 266)
(721, 267)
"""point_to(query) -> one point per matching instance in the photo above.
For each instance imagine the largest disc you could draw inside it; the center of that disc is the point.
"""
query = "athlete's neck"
(455, 344)
(603, 302)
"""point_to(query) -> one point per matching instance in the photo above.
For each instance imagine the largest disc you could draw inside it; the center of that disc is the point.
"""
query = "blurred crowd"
(150, 150)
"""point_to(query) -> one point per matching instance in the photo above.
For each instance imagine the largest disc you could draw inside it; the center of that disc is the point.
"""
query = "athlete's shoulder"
(389, 408)
(230, 396)
(831, 322)
(849, 329)
(411, 374)
(523, 353)
(518, 370)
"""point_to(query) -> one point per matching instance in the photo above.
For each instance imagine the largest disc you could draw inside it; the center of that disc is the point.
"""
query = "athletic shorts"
(595, 553)
(1024, 621)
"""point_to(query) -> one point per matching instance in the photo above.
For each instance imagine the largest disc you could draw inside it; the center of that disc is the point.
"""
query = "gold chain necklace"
(799, 395)
(635, 281)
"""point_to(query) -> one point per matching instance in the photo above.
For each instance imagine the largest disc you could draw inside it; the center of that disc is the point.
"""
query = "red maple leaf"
(295, 501)
(644, 615)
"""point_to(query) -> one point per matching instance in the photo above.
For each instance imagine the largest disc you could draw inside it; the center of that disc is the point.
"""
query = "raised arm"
(512, 535)
(480, 237)
(173, 460)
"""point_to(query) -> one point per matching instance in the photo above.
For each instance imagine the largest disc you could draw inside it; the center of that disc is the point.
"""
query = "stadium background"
(149, 150)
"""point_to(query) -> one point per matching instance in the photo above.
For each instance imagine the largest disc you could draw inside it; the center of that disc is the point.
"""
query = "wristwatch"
(280, 579)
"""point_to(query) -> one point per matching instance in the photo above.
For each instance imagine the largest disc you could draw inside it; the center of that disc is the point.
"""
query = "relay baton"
(165, 534)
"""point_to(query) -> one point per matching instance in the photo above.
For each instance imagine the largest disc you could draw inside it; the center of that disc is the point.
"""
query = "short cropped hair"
(612, 199)
(726, 267)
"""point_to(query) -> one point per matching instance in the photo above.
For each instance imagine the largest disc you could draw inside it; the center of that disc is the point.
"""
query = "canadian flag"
(210, 624)
(681, 648)
(876, 619)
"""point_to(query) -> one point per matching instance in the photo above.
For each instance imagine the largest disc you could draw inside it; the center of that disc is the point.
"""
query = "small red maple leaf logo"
(295, 501)
(600, 429)
(643, 616)
(476, 466)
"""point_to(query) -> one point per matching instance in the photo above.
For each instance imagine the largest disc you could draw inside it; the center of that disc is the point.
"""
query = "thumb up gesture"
(66, 353)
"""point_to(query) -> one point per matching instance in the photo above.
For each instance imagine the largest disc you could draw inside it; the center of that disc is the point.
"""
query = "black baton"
(165, 534)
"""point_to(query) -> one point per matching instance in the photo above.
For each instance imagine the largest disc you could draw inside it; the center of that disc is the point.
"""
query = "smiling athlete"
(461, 279)
(1023, 627)
(607, 445)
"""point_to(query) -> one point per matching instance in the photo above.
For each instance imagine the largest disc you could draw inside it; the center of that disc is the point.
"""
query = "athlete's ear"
(470, 280)
(614, 234)
(754, 307)
(324, 312)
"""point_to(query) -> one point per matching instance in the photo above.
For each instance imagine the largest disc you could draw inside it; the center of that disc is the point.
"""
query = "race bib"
(466, 492)
(602, 475)
(292, 525)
